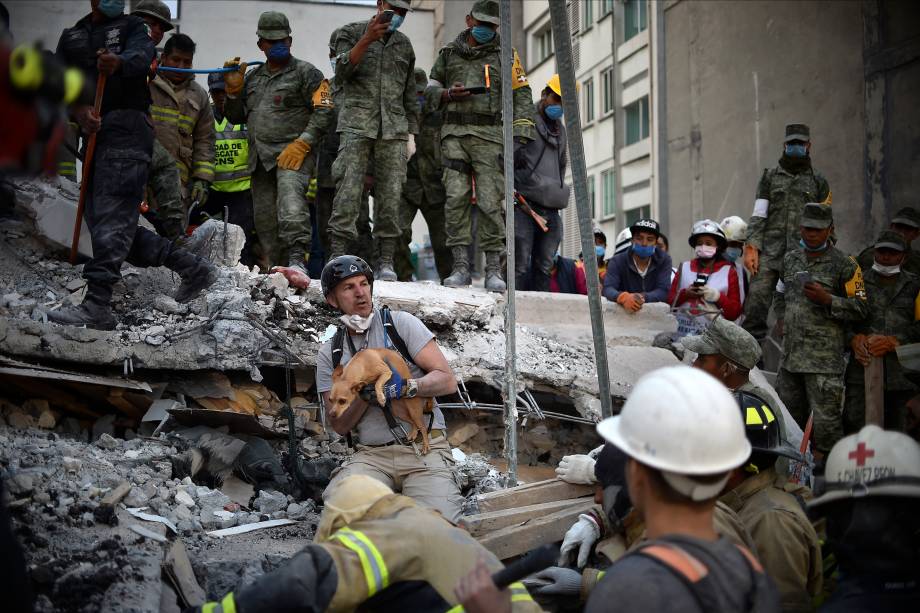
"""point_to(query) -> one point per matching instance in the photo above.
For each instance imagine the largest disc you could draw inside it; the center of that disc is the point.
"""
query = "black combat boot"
(494, 281)
(197, 273)
(95, 312)
(460, 276)
(385, 270)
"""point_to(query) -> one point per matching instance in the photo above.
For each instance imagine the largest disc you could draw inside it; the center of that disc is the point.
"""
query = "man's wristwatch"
(411, 388)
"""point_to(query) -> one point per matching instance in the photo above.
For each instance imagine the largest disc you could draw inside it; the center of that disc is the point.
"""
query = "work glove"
(293, 155)
(860, 350)
(710, 294)
(880, 345)
(200, 191)
(751, 259)
(233, 81)
(578, 469)
(410, 147)
(393, 390)
(520, 153)
(565, 582)
(582, 535)
(629, 302)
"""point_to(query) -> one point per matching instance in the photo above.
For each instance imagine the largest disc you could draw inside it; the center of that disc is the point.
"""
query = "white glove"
(583, 534)
(711, 294)
(410, 146)
(578, 469)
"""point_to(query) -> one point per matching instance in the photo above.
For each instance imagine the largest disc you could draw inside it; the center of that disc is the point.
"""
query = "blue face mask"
(395, 23)
(279, 52)
(804, 246)
(553, 111)
(111, 8)
(733, 253)
(795, 151)
(599, 250)
(482, 34)
(421, 103)
(643, 251)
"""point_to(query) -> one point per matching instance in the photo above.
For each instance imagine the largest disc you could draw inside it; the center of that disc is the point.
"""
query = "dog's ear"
(337, 373)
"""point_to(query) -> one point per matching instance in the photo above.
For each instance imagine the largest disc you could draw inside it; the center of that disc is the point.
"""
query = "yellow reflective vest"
(231, 157)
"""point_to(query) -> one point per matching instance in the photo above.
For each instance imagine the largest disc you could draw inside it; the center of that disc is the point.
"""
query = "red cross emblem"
(861, 454)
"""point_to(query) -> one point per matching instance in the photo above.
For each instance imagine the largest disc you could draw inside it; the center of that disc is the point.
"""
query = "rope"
(206, 70)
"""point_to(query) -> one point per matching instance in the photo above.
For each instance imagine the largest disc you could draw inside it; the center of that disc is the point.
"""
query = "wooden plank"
(478, 525)
(874, 376)
(178, 569)
(518, 539)
(114, 496)
(531, 493)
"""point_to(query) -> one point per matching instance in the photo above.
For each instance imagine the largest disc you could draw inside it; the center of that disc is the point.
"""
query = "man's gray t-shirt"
(372, 429)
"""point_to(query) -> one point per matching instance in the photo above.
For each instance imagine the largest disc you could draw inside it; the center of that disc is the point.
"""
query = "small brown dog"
(373, 366)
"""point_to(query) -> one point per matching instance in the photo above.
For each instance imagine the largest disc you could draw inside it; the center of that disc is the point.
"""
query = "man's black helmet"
(761, 426)
(343, 267)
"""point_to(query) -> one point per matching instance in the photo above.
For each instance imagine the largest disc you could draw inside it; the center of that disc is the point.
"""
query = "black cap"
(646, 225)
(216, 81)
(907, 216)
(797, 131)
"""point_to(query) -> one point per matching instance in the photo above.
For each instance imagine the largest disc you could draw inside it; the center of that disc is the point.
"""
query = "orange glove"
(860, 351)
(233, 81)
(880, 345)
(292, 156)
(629, 302)
(751, 259)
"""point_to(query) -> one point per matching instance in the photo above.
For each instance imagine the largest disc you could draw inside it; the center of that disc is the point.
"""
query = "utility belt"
(458, 165)
(472, 119)
(433, 434)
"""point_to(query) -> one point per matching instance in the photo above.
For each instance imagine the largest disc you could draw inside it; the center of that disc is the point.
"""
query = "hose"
(207, 70)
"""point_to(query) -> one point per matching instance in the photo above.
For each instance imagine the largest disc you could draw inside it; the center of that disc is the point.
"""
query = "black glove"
(520, 155)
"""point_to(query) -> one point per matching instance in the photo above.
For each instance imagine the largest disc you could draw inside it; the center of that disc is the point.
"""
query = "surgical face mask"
(886, 271)
(705, 252)
(599, 250)
(733, 253)
(643, 251)
(482, 34)
(795, 151)
(805, 246)
(279, 52)
(395, 23)
(111, 8)
(553, 111)
(357, 323)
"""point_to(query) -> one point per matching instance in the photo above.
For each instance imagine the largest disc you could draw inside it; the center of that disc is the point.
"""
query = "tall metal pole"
(510, 388)
(566, 67)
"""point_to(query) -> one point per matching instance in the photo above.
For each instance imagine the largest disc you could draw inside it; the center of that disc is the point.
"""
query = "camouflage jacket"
(774, 226)
(278, 107)
(378, 93)
(480, 115)
(911, 263)
(815, 335)
(184, 125)
(894, 310)
(423, 172)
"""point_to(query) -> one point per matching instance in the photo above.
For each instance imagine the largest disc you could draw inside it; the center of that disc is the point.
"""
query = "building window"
(634, 215)
(609, 193)
(635, 17)
(589, 100)
(591, 197)
(606, 7)
(543, 44)
(588, 14)
(637, 121)
(607, 90)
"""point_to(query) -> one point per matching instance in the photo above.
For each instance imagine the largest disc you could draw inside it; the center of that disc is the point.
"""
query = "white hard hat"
(707, 226)
(735, 228)
(685, 423)
(872, 462)
(624, 240)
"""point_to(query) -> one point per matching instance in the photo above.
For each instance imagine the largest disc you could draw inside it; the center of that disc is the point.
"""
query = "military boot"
(385, 270)
(95, 312)
(460, 276)
(494, 281)
(297, 259)
(197, 273)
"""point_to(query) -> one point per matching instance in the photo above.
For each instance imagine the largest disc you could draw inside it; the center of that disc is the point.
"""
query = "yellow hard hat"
(555, 85)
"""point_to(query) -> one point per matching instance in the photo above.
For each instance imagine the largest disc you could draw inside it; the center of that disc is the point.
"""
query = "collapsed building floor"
(121, 450)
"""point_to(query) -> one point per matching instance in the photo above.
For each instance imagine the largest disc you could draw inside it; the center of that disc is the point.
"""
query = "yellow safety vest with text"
(231, 157)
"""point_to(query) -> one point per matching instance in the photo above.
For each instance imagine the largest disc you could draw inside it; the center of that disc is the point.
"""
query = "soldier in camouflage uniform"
(471, 138)
(773, 229)
(905, 222)
(819, 292)
(894, 300)
(424, 190)
(378, 119)
(287, 106)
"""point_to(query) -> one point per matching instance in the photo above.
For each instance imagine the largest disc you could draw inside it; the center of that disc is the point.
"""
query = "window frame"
(642, 104)
(588, 101)
(639, 15)
(608, 179)
(607, 89)
(538, 39)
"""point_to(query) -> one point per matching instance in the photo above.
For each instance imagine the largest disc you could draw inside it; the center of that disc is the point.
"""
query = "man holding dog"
(381, 450)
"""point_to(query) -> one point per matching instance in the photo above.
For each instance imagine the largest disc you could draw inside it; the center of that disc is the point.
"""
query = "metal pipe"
(207, 70)
(564, 63)
(510, 387)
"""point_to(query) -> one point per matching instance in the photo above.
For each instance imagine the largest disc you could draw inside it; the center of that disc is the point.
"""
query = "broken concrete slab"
(52, 206)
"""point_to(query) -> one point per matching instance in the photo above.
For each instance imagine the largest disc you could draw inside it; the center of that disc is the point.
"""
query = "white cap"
(684, 423)
(735, 228)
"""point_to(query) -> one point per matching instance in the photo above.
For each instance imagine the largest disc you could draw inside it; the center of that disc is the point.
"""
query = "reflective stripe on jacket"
(184, 125)
(231, 157)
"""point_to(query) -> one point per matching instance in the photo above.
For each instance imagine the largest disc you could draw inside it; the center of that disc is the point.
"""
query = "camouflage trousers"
(758, 300)
(164, 194)
(820, 393)
(280, 212)
(482, 157)
(414, 199)
(349, 170)
(854, 408)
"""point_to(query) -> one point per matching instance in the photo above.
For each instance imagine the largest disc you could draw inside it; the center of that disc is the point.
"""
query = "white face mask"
(356, 322)
(886, 271)
(705, 251)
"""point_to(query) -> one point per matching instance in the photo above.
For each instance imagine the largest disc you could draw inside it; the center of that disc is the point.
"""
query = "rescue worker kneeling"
(372, 548)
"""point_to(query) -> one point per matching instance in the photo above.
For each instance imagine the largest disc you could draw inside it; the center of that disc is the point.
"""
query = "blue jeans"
(534, 249)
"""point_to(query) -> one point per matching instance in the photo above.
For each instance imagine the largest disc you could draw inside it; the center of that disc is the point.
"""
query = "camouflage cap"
(485, 11)
(216, 81)
(816, 215)
(156, 9)
(273, 26)
(421, 79)
(889, 239)
(907, 216)
(400, 4)
(797, 131)
(727, 339)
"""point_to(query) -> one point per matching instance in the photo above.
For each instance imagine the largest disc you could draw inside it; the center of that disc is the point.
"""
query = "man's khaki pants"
(429, 479)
